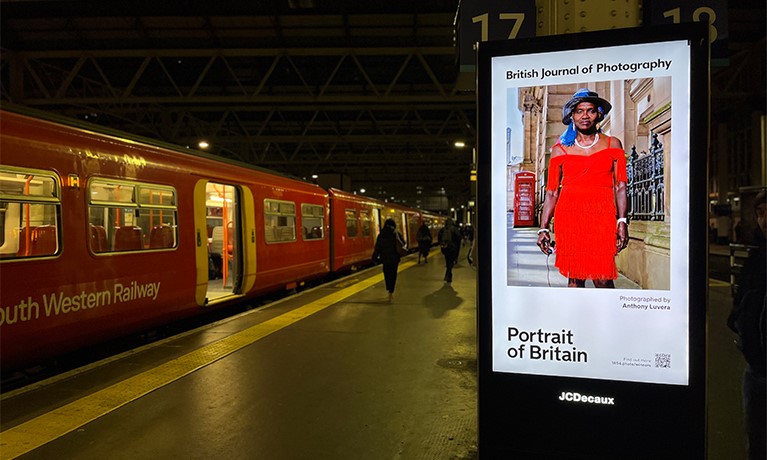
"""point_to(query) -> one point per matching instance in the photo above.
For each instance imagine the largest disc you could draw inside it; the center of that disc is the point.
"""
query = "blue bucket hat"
(582, 95)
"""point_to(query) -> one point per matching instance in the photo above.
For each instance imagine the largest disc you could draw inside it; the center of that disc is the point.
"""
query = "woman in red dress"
(586, 196)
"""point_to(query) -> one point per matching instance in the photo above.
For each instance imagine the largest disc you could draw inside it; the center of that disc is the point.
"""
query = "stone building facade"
(641, 118)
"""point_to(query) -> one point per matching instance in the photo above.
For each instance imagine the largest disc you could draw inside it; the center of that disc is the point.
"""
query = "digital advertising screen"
(592, 163)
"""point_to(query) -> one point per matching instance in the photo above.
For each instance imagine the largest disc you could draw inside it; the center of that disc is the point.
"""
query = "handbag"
(401, 247)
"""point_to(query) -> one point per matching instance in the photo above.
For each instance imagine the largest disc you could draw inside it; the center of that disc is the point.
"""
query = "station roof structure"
(367, 91)
(335, 88)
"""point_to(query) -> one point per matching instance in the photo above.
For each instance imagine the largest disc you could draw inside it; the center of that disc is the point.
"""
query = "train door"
(222, 268)
(376, 222)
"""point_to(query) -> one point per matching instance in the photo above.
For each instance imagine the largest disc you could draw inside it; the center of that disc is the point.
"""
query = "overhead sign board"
(481, 20)
(711, 12)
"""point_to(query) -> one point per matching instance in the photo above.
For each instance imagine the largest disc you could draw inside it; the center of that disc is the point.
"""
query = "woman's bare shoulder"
(615, 142)
(557, 150)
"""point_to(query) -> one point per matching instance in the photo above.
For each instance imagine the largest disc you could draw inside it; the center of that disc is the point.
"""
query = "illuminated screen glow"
(540, 326)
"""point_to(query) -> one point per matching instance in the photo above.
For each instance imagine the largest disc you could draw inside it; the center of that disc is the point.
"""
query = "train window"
(154, 195)
(313, 221)
(30, 208)
(365, 222)
(131, 216)
(279, 221)
(351, 223)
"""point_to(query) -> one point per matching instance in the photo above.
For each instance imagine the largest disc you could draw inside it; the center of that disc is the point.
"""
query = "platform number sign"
(712, 12)
(491, 20)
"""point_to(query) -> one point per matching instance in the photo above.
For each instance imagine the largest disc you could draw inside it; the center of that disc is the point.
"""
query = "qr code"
(662, 360)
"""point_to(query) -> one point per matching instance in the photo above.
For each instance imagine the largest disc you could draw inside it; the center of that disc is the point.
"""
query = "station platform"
(334, 372)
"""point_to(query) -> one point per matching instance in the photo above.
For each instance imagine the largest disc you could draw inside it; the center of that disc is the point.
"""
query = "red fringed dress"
(585, 214)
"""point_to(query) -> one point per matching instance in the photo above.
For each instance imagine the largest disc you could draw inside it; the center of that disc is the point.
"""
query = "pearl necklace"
(596, 139)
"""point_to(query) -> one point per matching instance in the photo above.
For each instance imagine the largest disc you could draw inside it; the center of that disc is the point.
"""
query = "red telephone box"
(524, 199)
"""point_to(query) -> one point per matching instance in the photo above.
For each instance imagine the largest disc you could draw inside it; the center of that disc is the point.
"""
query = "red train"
(104, 236)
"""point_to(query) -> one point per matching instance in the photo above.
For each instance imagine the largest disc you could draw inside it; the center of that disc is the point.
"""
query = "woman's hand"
(544, 242)
(621, 237)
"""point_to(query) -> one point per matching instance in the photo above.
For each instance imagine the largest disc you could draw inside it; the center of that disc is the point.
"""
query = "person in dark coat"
(450, 243)
(386, 253)
(424, 243)
(748, 319)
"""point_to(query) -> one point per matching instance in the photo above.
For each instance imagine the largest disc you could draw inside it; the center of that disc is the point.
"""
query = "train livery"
(105, 236)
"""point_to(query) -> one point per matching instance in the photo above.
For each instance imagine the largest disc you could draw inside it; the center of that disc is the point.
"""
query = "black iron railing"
(646, 189)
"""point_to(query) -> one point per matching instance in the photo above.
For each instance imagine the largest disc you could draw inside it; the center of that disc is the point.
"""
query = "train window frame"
(366, 223)
(47, 211)
(314, 214)
(3, 210)
(349, 220)
(281, 211)
(102, 235)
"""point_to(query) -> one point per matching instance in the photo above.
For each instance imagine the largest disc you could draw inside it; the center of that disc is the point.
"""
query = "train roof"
(93, 128)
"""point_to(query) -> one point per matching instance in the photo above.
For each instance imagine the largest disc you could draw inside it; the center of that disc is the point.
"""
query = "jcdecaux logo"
(570, 396)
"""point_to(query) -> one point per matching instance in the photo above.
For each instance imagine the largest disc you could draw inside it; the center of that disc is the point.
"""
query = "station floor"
(335, 372)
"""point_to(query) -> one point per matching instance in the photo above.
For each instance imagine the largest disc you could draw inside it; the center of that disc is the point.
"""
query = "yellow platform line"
(41, 430)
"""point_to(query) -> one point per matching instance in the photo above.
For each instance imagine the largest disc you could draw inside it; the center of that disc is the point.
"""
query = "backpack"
(423, 237)
(446, 241)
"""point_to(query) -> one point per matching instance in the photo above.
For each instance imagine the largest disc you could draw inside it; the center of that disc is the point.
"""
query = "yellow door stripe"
(34, 433)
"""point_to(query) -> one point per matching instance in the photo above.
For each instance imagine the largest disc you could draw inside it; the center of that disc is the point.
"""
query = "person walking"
(748, 319)
(450, 243)
(424, 242)
(388, 255)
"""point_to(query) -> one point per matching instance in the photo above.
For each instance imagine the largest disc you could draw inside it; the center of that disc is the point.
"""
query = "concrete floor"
(361, 378)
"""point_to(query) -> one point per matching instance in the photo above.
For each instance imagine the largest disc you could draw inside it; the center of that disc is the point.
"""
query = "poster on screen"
(630, 333)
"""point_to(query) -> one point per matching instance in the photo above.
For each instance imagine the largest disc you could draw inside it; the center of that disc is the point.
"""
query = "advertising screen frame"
(606, 407)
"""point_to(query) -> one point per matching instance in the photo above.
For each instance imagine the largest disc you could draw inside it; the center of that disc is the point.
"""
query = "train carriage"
(356, 222)
(104, 236)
